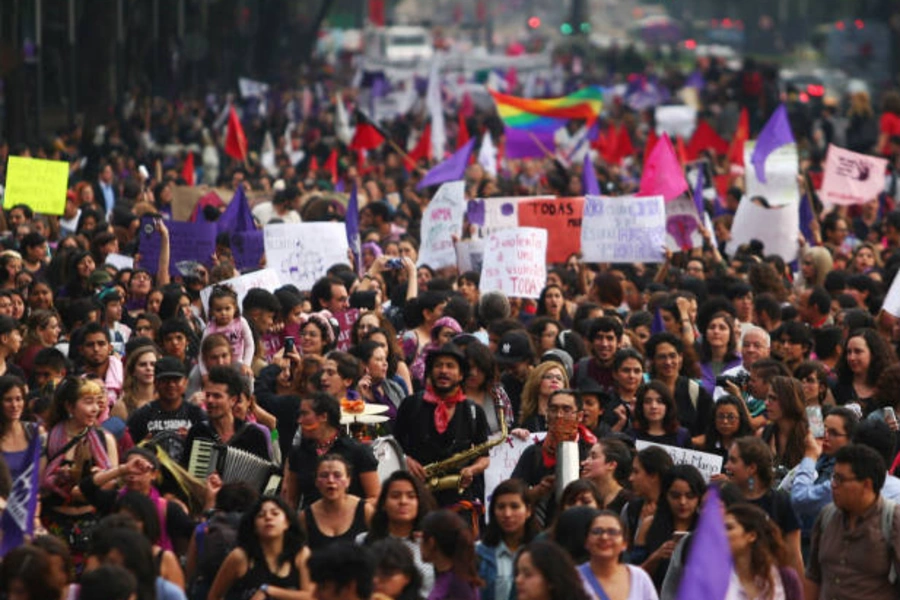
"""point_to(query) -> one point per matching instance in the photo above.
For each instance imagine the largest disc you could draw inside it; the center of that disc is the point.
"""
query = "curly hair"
(294, 537)
(768, 550)
(882, 356)
(789, 393)
(670, 420)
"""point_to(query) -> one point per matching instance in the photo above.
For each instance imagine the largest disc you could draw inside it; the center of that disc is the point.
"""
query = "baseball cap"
(514, 347)
(169, 366)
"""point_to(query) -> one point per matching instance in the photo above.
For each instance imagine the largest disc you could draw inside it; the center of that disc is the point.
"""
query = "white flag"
(436, 110)
(487, 155)
(267, 155)
(342, 121)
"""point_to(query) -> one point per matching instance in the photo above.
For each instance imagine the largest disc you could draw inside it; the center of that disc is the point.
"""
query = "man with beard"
(97, 360)
(440, 422)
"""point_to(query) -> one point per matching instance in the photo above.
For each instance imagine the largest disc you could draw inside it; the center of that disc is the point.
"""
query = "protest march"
(568, 328)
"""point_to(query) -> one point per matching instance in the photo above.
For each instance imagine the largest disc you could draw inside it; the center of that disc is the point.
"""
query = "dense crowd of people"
(250, 448)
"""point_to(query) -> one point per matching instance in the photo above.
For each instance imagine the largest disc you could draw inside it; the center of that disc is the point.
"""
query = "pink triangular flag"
(662, 173)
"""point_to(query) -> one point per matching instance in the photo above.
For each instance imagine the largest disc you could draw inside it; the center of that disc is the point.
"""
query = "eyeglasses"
(831, 433)
(838, 479)
(560, 410)
(610, 532)
(727, 418)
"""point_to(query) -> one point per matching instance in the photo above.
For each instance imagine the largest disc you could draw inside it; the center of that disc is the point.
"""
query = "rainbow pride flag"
(531, 124)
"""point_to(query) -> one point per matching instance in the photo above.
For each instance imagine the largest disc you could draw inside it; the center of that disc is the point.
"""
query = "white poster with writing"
(301, 253)
(708, 464)
(623, 229)
(441, 222)
(504, 458)
(515, 262)
(780, 187)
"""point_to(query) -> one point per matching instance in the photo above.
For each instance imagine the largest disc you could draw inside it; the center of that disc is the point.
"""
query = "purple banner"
(248, 249)
(187, 242)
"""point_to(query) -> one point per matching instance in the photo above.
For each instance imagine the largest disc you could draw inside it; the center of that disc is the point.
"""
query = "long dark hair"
(493, 535)
(379, 527)
(790, 399)
(454, 540)
(8, 382)
(663, 524)
(557, 568)
(570, 530)
(882, 356)
(393, 556)
(731, 351)
(768, 550)
(294, 537)
(670, 420)
(713, 437)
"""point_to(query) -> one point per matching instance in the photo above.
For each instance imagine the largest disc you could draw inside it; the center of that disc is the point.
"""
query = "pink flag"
(852, 178)
(662, 172)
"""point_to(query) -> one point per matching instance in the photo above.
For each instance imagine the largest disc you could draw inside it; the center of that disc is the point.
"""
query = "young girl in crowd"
(225, 318)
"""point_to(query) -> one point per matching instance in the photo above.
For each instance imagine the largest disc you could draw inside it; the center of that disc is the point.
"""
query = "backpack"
(887, 528)
(215, 539)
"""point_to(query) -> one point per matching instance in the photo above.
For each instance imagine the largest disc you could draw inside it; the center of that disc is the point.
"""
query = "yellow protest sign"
(40, 184)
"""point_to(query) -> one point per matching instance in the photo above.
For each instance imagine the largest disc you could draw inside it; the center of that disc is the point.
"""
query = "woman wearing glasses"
(542, 381)
(730, 421)
(605, 575)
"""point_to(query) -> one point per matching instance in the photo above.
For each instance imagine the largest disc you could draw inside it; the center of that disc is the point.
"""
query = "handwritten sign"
(780, 187)
(248, 248)
(561, 217)
(515, 262)
(503, 213)
(682, 224)
(623, 229)
(852, 178)
(442, 220)
(303, 252)
(265, 279)
(504, 458)
(37, 183)
(187, 242)
(708, 464)
(345, 320)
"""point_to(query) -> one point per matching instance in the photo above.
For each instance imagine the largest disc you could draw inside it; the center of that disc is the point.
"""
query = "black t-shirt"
(531, 470)
(246, 437)
(777, 504)
(417, 435)
(695, 419)
(302, 462)
(152, 419)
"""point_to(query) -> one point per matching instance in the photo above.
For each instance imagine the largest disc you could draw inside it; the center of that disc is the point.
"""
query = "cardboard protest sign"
(37, 183)
(780, 188)
(248, 248)
(504, 458)
(708, 464)
(623, 229)
(676, 120)
(503, 213)
(777, 228)
(682, 225)
(561, 217)
(345, 320)
(515, 262)
(441, 221)
(265, 279)
(187, 242)
(303, 252)
(852, 178)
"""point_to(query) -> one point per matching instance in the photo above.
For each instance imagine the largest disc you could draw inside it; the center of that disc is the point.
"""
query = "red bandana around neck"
(548, 448)
(442, 405)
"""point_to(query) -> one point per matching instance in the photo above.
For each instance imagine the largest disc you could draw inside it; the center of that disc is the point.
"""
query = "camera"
(394, 263)
(740, 380)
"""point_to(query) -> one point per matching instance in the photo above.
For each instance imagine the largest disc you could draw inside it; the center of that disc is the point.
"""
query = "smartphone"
(816, 421)
(288, 345)
(890, 417)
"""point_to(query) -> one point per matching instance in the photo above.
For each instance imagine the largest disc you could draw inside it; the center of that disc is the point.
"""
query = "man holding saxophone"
(444, 434)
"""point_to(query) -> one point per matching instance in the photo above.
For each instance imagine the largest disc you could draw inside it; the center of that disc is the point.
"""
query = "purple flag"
(237, 217)
(698, 194)
(528, 144)
(806, 219)
(657, 326)
(452, 169)
(351, 224)
(775, 134)
(248, 248)
(707, 571)
(187, 242)
(695, 80)
(18, 518)
(475, 212)
(589, 177)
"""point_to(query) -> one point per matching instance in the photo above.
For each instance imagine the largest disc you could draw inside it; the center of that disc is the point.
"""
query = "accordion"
(233, 465)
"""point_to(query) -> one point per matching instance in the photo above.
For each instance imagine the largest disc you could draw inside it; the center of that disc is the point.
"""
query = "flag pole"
(541, 145)
(406, 156)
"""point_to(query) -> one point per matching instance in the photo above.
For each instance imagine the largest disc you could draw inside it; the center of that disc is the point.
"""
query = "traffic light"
(566, 29)
(534, 22)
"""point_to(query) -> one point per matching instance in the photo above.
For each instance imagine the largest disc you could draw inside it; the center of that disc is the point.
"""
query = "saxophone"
(439, 476)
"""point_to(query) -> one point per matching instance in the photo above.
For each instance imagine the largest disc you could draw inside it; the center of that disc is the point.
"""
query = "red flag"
(187, 169)
(649, 143)
(368, 135)
(422, 149)
(235, 140)
(680, 151)
(705, 137)
(313, 167)
(624, 147)
(331, 165)
(463, 136)
(741, 135)
(376, 12)
(607, 145)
